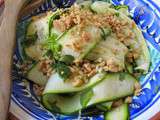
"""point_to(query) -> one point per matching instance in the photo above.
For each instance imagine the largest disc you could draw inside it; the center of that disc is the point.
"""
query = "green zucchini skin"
(104, 91)
(57, 85)
(104, 106)
(51, 18)
(119, 113)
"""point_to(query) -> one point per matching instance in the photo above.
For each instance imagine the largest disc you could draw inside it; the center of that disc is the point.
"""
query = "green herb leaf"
(63, 70)
(105, 32)
(121, 76)
(53, 46)
(30, 39)
(120, 6)
(54, 16)
(117, 14)
(86, 96)
(67, 59)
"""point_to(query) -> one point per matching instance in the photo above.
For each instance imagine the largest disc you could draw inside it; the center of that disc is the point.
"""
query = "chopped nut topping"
(93, 72)
(128, 100)
(87, 67)
(77, 82)
(137, 87)
(84, 70)
(137, 92)
(77, 46)
(86, 36)
(132, 55)
(45, 66)
(112, 66)
(83, 17)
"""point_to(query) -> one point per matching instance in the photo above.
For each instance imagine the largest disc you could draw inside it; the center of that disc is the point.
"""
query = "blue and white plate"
(146, 13)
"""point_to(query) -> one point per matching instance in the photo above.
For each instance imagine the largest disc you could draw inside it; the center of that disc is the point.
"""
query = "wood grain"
(1, 10)
(12, 117)
(30, 7)
(7, 43)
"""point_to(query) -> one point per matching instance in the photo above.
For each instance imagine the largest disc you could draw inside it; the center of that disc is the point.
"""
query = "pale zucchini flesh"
(100, 7)
(38, 27)
(110, 48)
(85, 5)
(114, 86)
(42, 28)
(119, 113)
(34, 51)
(143, 62)
(36, 75)
(72, 37)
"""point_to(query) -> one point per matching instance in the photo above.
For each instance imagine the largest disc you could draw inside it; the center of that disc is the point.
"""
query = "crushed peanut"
(137, 87)
(82, 71)
(137, 92)
(83, 17)
(45, 66)
(128, 100)
(77, 82)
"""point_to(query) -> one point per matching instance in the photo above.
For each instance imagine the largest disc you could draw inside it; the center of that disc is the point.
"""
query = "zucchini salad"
(88, 56)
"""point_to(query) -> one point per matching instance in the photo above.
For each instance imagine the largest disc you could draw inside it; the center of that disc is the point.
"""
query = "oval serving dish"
(146, 14)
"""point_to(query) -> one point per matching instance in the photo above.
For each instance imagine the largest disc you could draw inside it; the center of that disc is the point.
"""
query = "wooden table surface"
(11, 117)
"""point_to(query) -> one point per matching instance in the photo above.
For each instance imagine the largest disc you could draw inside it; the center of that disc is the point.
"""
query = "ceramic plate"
(146, 13)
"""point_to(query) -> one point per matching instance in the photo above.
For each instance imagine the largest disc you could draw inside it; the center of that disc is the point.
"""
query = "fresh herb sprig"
(53, 46)
(30, 40)
(62, 69)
